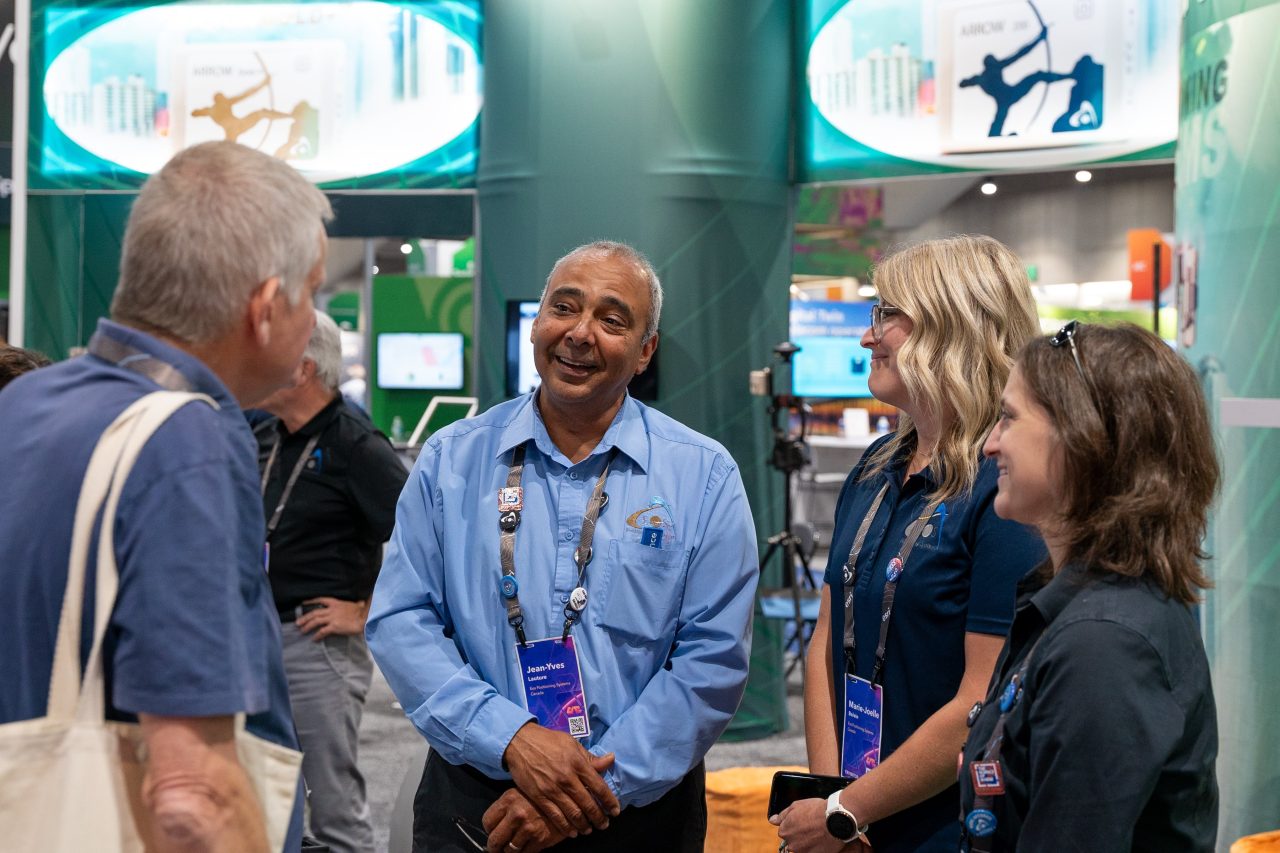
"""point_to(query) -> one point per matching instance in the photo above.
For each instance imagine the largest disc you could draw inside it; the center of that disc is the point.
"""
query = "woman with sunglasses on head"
(1099, 731)
(920, 584)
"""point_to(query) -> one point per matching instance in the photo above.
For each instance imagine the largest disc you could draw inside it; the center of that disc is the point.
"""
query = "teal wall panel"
(661, 123)
(1228, 211)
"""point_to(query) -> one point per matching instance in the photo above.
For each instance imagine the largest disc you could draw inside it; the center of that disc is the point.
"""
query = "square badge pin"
(510, 499)
(988, 780)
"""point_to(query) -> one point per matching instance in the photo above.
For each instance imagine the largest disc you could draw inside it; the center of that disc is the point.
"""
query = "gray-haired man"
(223, 252)
(329, 483)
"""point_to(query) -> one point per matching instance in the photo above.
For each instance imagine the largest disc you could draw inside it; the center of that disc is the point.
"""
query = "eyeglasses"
(478, 837)
(1066, 336)
(880, 312)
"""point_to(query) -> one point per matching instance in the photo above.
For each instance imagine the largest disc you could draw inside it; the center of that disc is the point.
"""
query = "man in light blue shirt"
(657, 613)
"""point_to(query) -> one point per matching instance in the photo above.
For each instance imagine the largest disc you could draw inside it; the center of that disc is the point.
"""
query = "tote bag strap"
(109, 466)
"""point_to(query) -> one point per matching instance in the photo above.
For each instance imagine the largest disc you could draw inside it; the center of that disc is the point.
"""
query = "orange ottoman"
(737, 799)
(1264, 842)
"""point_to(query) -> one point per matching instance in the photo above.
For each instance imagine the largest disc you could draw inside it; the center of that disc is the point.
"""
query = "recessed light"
(988, 188)
(405, 248)
(1084, 176)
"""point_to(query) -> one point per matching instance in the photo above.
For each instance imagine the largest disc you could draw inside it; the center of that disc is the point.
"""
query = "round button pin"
(895, 569)
(578, 599)
(980, 823)
(509, 586)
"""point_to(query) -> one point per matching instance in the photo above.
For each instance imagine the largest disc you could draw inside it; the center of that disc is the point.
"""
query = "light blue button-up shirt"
(664, 641)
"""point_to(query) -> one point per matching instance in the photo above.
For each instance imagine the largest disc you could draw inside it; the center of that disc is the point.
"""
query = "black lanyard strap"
(290, 483)
(509, 520)
(891, 583)
(122, 355)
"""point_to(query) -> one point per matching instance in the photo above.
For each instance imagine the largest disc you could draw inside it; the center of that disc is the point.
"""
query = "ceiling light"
(1084, 176)
(988, 188)
(405, 248)
(375, 269)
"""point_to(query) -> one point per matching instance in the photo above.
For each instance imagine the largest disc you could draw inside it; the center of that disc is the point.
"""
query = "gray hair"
(325, 349)
(206, 230)
(610, 250)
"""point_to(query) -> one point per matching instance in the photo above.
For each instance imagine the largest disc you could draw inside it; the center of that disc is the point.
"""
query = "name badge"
(552, 682)
(860, 746)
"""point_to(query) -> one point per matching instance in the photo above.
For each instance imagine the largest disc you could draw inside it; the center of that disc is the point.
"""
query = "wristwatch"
(841, 823)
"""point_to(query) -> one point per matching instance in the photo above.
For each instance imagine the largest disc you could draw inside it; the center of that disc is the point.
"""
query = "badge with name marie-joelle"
(552, 682)
(860, 745)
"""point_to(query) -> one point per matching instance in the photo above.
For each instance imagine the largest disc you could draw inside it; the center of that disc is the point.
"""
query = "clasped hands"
(559, 793)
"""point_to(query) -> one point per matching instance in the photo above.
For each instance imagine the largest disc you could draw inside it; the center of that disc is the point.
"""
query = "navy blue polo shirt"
(961, 577)
(194, 631)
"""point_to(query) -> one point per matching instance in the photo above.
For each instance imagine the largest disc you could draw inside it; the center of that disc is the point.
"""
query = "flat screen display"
(353, 94)
(421, 360)
(831, 361)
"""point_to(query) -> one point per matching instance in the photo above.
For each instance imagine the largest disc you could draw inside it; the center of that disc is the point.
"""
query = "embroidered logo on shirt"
(655, 523)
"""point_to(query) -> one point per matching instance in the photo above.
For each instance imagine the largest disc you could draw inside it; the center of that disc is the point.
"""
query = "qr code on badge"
(577, 726)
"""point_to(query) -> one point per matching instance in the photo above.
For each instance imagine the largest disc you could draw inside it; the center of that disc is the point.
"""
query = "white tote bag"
(71, 781)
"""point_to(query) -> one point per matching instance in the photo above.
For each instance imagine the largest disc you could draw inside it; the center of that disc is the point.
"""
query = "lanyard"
(122, 355)
(510, 505)
(1009, 697)
(896, 567)
(292, 481)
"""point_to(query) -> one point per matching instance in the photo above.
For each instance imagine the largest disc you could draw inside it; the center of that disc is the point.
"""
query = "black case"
(789, 786)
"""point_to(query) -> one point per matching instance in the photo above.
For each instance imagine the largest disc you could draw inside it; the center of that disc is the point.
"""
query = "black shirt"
(341, 509)
(1112, 744)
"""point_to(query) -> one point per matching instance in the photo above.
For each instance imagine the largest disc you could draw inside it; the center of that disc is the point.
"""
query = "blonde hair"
(971, 308)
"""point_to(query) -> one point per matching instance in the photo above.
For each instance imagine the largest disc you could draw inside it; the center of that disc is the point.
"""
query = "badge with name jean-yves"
(552, 682)
(860, 744)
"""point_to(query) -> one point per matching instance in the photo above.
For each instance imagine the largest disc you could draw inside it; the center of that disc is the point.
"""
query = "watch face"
(841, 826)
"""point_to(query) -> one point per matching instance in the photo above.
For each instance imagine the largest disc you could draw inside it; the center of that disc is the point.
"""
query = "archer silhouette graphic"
(991, 81)
(304, 134)
(1084, 107)
(233, 125)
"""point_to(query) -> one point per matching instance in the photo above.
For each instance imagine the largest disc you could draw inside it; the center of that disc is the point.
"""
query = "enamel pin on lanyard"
(549, 670)
(863, 698)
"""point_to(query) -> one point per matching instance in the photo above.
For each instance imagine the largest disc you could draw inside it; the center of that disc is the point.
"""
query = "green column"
(1228, 198)
(662, 123)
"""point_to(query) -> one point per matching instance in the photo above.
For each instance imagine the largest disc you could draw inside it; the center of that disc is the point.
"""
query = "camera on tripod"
(790, 452)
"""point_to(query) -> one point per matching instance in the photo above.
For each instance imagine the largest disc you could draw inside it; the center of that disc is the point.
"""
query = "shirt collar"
(627, 433)
(322, 419)
(1052, 597)
(202, 379)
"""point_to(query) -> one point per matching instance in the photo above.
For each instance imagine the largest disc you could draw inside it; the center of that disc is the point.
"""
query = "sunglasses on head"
(1066, 336)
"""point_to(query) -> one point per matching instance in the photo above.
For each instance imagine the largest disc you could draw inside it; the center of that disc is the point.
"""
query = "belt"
(291, 614)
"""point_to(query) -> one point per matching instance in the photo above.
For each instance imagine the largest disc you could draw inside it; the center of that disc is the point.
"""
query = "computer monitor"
(522, 375)
(831, 362)
(421, 360)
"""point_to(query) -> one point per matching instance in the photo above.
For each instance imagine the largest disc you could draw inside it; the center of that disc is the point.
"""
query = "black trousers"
(677, 821)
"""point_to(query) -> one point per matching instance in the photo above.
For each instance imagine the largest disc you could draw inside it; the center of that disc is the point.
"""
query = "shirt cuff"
(490, 732)
(610, 776)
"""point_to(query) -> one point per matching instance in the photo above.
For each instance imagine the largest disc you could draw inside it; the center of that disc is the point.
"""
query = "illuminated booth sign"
(354, 94)
(906, 87)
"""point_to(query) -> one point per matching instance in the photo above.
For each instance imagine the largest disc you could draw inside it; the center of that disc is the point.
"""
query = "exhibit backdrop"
(366, 95)
(1228, 231)
(910, 87)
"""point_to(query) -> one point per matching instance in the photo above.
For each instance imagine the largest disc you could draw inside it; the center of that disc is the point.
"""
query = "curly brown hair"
(1138, 464)
(15, 361)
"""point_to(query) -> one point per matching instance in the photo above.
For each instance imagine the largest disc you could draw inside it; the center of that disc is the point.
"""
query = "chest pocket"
(643, 587)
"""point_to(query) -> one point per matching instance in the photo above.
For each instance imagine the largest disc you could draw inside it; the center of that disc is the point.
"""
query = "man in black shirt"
(330, 482)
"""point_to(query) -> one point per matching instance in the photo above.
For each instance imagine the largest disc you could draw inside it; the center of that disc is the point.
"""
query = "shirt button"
(564, 598)
(568, 536)
(573, 475)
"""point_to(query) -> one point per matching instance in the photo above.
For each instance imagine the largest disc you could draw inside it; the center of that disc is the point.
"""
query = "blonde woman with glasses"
(921, 580)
